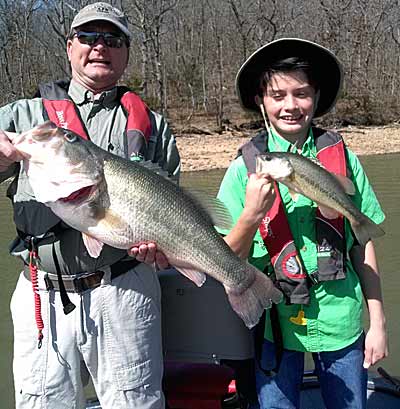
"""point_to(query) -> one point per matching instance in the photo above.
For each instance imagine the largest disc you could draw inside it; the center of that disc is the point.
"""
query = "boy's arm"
(365, 263)
(259, 199)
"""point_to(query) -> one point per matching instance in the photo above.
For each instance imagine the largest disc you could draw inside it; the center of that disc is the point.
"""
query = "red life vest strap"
(62, 111)
(138, 114)
(63, 114)
(334, 160)
(290, 273)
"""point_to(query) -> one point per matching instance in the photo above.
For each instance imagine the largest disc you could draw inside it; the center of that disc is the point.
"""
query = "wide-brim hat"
(327, 67)
(102, 12)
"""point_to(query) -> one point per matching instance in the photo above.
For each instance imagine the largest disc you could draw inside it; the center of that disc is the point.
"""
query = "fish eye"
(70, 137)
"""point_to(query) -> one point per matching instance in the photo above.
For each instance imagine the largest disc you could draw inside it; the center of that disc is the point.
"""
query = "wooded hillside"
(185, 53)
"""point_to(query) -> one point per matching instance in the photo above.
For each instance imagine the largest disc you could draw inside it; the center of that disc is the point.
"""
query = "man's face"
(97, 67)
(289, 102)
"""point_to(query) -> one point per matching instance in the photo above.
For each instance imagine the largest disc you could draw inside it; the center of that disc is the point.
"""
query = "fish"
(122, 203)
(330, 191)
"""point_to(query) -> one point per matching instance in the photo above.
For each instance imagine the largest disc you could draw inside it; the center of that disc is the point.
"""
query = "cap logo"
(102, 9)
(107, 9)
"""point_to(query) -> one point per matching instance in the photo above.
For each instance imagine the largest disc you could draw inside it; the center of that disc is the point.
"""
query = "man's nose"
(99, 43)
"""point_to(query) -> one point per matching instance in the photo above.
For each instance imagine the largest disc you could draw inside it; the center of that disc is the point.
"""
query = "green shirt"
(334, 315)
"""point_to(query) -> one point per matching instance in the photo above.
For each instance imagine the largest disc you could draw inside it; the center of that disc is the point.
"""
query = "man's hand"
(148, 253)
(8, 154)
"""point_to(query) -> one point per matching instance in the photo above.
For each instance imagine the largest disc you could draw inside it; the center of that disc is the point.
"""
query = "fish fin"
(112, 222)
(346, 183)
(316, 161)
(155, 167)
(328, 212)
(293, 194)
(93, 246)
(109, 222)
(215, 209)
(251, 303)
(365, 229)
(197, 277)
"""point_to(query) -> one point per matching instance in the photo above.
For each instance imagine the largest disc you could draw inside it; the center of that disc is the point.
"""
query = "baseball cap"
(104, 12)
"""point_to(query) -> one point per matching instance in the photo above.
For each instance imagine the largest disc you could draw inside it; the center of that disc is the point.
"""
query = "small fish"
(329, 191)
(122, 203)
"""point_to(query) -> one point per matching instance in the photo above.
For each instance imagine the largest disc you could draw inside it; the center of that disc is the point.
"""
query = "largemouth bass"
(329, 191)
(121, 203)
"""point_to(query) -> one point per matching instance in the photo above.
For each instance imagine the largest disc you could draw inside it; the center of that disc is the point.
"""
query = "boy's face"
(289, 102)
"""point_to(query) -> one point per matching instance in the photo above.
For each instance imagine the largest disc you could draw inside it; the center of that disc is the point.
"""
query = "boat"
(203, 338)
(382, 394)
(383, 391)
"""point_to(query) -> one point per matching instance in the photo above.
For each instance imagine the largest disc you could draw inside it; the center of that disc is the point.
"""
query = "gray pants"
(115, 331)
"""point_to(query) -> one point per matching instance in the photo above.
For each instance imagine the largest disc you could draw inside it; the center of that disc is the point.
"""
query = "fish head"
(58, 162)
(274, 164)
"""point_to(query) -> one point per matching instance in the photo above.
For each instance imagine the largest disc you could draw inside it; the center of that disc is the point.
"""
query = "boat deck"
(381, 394)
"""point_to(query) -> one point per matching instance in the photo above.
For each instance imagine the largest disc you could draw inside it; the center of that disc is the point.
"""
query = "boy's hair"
(286, 65)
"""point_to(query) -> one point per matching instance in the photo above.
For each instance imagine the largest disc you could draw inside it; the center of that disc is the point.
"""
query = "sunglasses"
(112, 40)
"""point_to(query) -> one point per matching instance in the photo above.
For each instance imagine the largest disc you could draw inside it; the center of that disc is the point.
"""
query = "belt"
(84, 281)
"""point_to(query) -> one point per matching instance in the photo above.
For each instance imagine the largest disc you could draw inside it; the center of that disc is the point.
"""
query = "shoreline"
(216, 151)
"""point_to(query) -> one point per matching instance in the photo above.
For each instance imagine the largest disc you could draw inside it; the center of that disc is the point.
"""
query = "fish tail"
(365, 229)
(250, 303)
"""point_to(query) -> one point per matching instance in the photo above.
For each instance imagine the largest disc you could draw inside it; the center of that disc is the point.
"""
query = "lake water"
(384, 174)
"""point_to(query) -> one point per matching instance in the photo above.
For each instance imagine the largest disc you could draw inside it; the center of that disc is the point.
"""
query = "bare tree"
(185, 54)
(148, 17)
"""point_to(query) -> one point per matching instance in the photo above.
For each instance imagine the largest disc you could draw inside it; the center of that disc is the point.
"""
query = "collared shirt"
(102, 115)
(334, 315)
(105, 122)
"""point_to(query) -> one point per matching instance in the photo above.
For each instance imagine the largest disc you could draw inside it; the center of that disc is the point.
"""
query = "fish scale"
(189, 234)
(128, 204)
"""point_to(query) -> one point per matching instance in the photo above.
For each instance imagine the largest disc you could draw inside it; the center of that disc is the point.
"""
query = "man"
(100, 315)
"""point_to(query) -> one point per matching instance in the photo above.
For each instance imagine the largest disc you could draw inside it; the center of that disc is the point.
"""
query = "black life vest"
(290, 273)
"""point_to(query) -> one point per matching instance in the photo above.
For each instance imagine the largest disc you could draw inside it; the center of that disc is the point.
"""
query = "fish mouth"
(79, 195)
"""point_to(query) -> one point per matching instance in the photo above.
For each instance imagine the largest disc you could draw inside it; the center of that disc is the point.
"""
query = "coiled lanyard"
(33, 270)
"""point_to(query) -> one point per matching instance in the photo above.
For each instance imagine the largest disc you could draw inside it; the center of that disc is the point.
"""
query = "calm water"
(384, 174)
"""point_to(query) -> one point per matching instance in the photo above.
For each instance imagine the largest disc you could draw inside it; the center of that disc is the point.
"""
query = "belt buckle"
(77, 284)
(80, 285)
(49, 284)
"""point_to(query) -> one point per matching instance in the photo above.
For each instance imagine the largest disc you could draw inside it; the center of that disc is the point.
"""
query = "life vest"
(290, 273)
(59, 108)
(45, 227)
